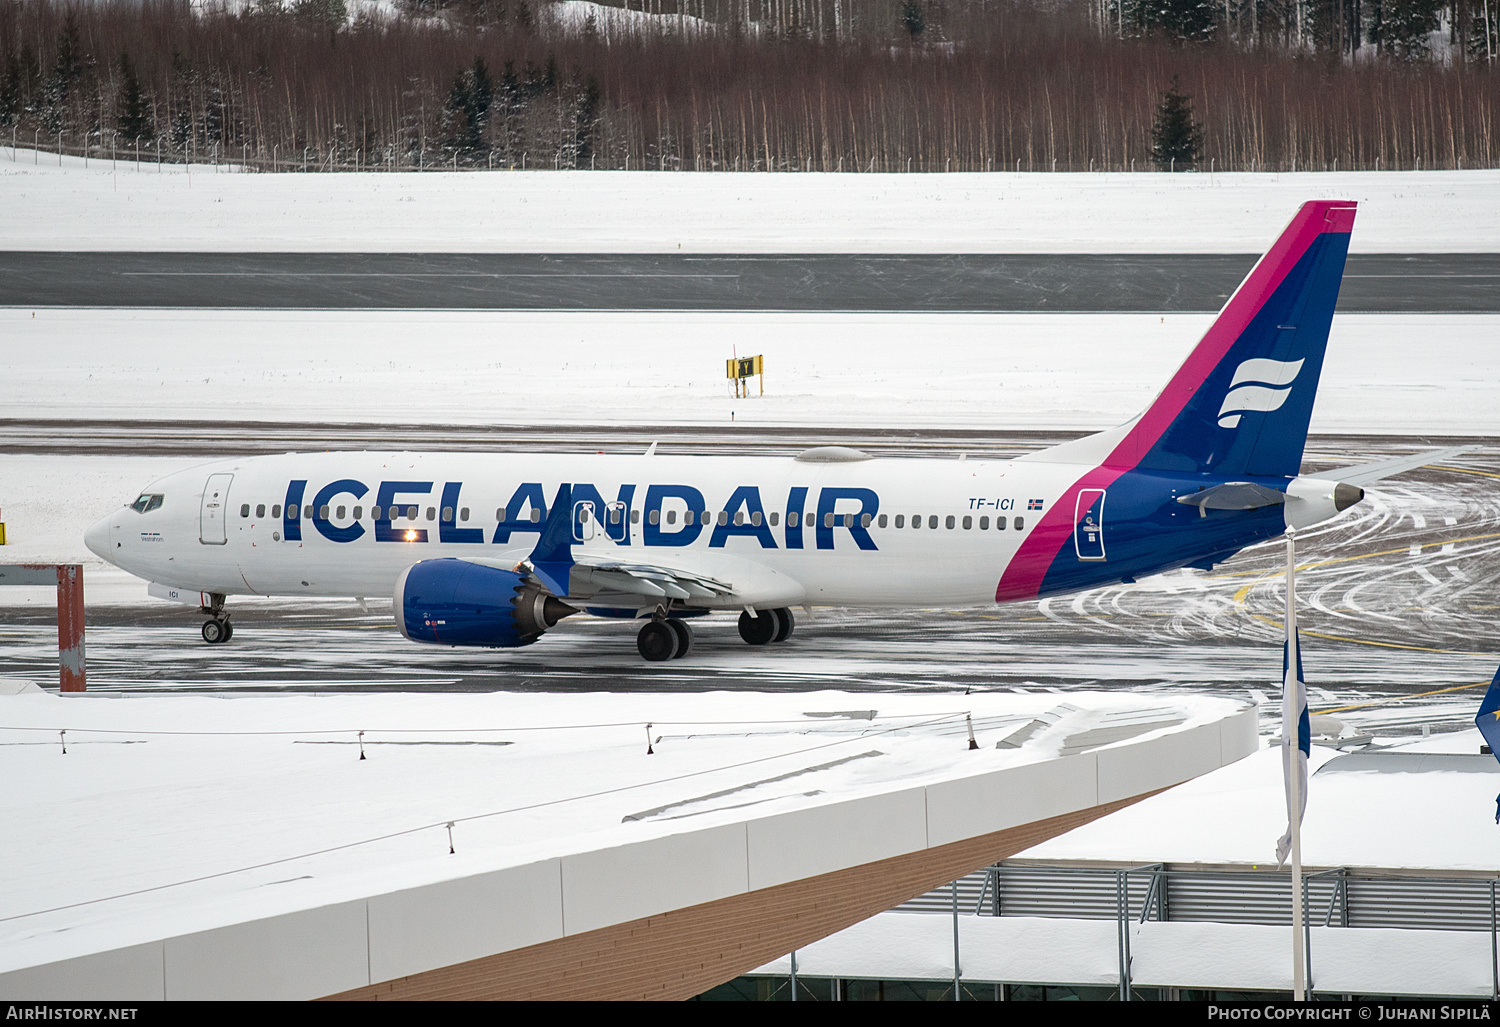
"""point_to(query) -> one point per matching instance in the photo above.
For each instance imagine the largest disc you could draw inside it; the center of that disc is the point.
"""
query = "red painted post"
(70, 626)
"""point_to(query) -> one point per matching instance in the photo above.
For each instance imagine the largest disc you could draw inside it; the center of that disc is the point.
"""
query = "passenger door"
(211, 519)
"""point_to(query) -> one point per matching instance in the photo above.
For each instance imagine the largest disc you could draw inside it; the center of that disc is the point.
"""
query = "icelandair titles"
(671, 515)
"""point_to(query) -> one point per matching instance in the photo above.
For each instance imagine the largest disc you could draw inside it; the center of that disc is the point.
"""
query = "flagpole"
(1290, 719)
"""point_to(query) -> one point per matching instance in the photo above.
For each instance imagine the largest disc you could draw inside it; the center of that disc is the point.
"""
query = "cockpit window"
(146, 502)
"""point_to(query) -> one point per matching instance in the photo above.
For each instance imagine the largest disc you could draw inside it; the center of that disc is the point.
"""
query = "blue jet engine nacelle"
(456, 602)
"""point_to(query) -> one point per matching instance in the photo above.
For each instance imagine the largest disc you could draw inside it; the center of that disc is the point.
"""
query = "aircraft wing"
(597, 571)
(651, 581)
(1365, 474)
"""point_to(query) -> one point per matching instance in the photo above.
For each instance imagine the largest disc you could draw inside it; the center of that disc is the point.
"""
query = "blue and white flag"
(1296, 738)
(1488, 722)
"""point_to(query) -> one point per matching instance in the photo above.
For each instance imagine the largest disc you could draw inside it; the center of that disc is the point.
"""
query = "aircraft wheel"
(684, 632)
(215, 631)
(657, 642)
(787, 625)
(761, 628)
(228, 629)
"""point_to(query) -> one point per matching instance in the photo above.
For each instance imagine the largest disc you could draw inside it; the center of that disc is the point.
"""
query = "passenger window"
(739, 518)
(828, 520)
(245, 510)
(968, 523)
(292, 512)
(755, 519)
(260, 510)
(949, 522)
(340, 513)
(614, 516)
(374, 512)
(932, 520)
(916, 520)
(900, 520)
(359, 512)
(500, 514)
(723, 517)
(536, 514)
(792, 519)
(635, 517)
(671, 516)
(999, 523)
(276, 510)
(1020, 523)
(864, 521)
(463, 514)
(447, 515)
(655, 517)
(431, 512)
(984, 524)
(775, 517)
(323, 511)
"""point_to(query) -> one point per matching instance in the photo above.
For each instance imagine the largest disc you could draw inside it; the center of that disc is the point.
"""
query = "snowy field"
(52, 203)
(1410, 374)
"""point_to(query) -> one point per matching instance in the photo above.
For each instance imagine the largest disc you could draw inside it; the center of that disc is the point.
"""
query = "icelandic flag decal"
(1488, 722)
(1033, 504)
(1294, 723)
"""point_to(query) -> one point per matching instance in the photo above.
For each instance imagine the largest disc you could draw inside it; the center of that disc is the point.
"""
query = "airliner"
(493, 550)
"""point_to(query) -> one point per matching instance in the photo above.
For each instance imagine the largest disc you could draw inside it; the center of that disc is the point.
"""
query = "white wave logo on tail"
(1267, 384)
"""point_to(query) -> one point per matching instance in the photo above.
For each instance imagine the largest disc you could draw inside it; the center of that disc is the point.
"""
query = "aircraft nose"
(97, 537)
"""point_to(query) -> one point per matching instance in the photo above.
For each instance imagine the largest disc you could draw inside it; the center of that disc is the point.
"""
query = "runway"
(1399, 599)
(1380, 283)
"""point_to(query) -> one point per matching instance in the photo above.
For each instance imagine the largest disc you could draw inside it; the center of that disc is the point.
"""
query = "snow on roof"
(174, 814)
(1388, 809)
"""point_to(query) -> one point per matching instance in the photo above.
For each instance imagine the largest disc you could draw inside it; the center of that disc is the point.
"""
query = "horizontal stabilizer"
(1365, 474)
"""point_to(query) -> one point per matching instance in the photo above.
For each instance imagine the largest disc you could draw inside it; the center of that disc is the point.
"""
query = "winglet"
(552, 559)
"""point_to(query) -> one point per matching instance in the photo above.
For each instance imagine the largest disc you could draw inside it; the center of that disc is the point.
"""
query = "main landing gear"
(767, 626)
(664, 638)
(668, 638)
(216, 630)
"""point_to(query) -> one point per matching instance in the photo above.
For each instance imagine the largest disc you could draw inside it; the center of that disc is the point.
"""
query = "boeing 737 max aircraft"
(493, 549)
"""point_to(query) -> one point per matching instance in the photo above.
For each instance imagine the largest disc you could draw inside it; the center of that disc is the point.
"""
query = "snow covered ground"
(1388, 374)
(52, 203)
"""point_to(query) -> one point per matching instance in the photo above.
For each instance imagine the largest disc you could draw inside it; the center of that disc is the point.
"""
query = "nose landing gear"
(217, 629)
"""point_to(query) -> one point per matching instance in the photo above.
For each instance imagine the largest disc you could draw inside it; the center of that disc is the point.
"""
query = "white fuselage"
(783, 559)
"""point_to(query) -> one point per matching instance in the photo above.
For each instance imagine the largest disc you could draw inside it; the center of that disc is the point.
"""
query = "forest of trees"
(784, 85)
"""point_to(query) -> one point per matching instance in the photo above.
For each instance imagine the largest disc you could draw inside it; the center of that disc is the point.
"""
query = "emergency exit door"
(211, 523)
(1088, 521)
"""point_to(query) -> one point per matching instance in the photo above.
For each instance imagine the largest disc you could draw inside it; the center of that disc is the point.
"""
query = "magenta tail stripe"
(1023, 576)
